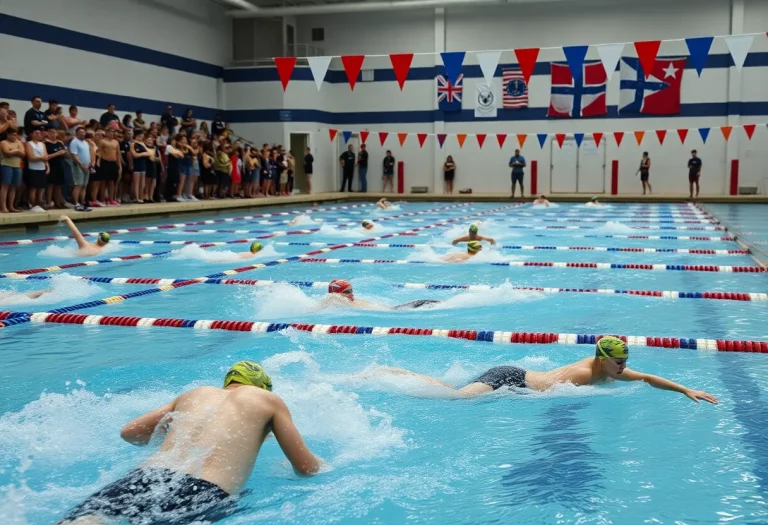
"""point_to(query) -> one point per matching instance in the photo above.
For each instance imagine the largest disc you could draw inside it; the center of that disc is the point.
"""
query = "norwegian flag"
(449, 95)
(515, 89)
(584, 97)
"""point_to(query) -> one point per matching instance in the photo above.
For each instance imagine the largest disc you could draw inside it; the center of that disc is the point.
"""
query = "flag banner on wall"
(584, 97)
(659, 94)
(319, 67)
(485, 101)
(449, 95)
(515, 89)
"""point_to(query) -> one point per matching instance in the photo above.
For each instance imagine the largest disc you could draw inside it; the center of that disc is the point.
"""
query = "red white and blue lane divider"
(686, 228)
(548, 264)
(622, 220)
(490, 336)
(666, 294)
(727, 238)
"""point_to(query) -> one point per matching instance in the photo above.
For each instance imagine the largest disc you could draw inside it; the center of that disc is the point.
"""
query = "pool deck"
(31, 221)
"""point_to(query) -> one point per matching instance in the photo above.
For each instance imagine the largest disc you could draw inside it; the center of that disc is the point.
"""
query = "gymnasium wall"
(722, 96)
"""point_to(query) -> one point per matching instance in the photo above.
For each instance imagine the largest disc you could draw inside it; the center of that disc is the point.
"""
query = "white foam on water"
(487, 255)
(353, 232)
(280, 301)
(504, 294)
(71, 250)
(64, 288)
(544, 206)
(614, 227)
(193, 252)
(304, 219)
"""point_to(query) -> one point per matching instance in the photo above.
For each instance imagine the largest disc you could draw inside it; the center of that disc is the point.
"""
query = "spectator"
(188, 123)
(309, 169)
(193, 177)
(185, 166)
(72, 122)
(164, 137)
(449, 173)
(223, 167)
(347, 161)
(93, 125)
(204, 131)
(362, 164)
(389, 172)
(34, 118)
(127, 122)
(37, 170)
(109, 117)
(154, 168)
(5, 123)
(247, 171)
(138, 122)
(153, 130)
(645, 173)
(12, 150)
(169, 121)
(56, 152)
(125, 184)
(81, 168)
(5, 105)
(237, 169)
(218, 126)
(140, 156)
(174, 152)
(53, 115)
(110, 167)
(517, 163)
(66, 189)
(291, 160)
(207, 173)
(694, 172)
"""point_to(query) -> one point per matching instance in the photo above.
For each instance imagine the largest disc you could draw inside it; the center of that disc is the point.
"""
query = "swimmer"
(473, 248)
(473, 236)
(86, 248)
(211, 439)
(340, 293)
(5, 296)
(384, 204)
(367, 224)
(255, 248)
(301, 218)
(593, 201)
(609, 363)
(542, 201)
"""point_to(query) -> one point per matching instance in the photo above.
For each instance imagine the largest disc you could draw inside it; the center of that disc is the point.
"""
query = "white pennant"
(488, 60)
(739, 47)
(610, 54)
(319, 67)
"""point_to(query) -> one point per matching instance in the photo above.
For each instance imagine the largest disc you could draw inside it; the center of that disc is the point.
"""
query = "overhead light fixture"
(242, 3)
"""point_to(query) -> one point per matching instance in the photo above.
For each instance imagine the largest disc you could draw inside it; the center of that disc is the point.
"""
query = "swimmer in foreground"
(473, 236)
(30, 295)
(473, 248)
(256, 247)
(340, 293)
(86, 248)
(542, 201)
(367, 224)
(609, 363)
(593, 201)
(384, 204)
(211, 439)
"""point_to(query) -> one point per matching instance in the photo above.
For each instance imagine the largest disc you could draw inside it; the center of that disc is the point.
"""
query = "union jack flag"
(449, 95)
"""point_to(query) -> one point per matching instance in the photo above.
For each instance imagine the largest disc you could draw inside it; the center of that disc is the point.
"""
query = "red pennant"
(422, 137)
(332, 133)
(597, 138)
(383, 137)
(683, 134)
(726, 132)
(285, 67)
(401, 63)
(401, 137)
(647, 52)
(352, 66)
(618, 136)
(480, 139)
(441, 138)
(749, 129)
(560, 139)
(527, 60)
(501, 138)
(364, 136)
(521, 138)
(661, 134)
(639, 137)
(461, 137)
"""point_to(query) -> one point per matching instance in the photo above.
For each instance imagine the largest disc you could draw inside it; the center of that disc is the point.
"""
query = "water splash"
(614, 227)
(193, 252)
(64, 288)
(71, 250)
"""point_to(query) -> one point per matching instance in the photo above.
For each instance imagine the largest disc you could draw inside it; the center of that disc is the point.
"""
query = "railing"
(289, 50)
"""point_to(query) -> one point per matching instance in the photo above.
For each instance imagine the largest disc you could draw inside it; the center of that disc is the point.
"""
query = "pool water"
(395, 451)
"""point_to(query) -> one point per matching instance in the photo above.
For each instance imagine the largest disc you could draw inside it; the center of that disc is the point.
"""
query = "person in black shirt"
(694, 172)
(389, 172)
(108, 117)
(347, 161)
(52, 115)
(169, 121)
(218, 126)
(56, 151)
(188, 123)
(308, 169)
(362, 163)
(34, 118)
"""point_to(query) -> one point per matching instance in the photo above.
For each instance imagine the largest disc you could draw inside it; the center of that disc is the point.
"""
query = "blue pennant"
(346, 135)
(542, 139)
(704, 132)
(699, 50)
(579, 137)
(453, 61)
(575, 56)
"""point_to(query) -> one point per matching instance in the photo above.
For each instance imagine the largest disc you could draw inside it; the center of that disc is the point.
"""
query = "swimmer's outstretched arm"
(665, 384)
(487, 239)
(139, 431)
(465, 238)
(287, 435)
(81, 242)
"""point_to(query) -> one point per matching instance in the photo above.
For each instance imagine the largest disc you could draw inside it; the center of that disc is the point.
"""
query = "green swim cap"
(611, 347)
(248, 373)
(594, 198)
(473, 228)
(256, 247)
(104, 237)
(474, 246)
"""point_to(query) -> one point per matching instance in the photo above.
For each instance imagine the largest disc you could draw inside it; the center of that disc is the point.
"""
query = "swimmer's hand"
(695, 395)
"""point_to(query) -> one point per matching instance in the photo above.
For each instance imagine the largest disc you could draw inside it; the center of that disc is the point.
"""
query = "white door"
(564, 166)
(591, 167)
(354, 140)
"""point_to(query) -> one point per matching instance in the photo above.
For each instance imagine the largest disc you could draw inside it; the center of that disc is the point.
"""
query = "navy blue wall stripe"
(31, 30)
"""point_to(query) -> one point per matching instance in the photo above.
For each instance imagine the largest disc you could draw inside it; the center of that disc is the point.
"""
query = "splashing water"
(193, 252)
(70, 250)
(614, 227)
(487, 255)
(304, 219)
(64, 288)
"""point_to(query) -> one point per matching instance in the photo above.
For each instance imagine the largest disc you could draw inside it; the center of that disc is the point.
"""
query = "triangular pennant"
(618, 136)
(598, 137)
(661, 134)
(401, 64)
(332, 133)
(527, 60)
(383, 137)
(461, 137)
(364, 136)
(422, 137)
(560, 137)
(480, 139)
(575, 56)
(647, 52)
(285, 67)
(739, 46)
(501, 138)
(639, 137)
(683, 134)
(489, 61)
(726, 130)
(319, 67)
(521, 138)
(352, 66)
(452, 61)
(441, 139)
(704, 132)
(346, 135)
(698, 48)
(610, 54)
(579, 138)
(749, 129)
(401, 137)
(542, 139)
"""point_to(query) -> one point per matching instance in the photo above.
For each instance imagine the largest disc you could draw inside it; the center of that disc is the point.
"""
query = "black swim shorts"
(416, 304)
(500, 376)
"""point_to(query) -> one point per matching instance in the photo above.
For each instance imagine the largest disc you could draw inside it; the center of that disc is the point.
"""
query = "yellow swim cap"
(473, 228)
(474, 247)
(104, 237)
(256, 247)
(609, 347)
(248, 373)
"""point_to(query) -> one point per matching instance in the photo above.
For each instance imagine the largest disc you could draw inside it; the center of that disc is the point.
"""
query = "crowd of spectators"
(57, 160)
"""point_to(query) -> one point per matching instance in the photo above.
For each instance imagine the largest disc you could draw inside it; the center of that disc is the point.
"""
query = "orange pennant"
(639, 137)
(598, 137)
(521, 138)
(401, 137)
(461, 137)
(726, 132)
